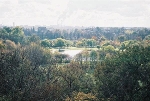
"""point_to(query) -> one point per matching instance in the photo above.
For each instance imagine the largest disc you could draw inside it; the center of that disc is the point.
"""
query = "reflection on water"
(71, 53)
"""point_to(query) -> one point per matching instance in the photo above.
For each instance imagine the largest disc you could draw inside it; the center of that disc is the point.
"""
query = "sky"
(102, 13)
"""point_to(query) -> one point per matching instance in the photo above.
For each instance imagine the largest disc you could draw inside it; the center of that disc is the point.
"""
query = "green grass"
(76, 48)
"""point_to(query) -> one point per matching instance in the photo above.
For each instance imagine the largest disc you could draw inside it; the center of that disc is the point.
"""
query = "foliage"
(98, 46)
(80, 96)
(46, 43)
(2, 46)
(116, 71)
(10, 45)
(93, 55)
(71, 75)
(79, 44)
(147, 37)
(109, 48)
(59, 42)
(125, 77)
(121, 38)
(61, 58)
(34, 38)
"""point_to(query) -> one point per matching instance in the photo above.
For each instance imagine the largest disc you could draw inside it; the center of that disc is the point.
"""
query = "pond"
(71, 53)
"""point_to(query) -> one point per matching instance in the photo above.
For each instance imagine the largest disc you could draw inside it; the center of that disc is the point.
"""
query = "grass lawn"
(76, 48)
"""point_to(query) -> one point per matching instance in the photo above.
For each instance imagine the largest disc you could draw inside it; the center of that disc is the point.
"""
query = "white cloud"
(23, 11)
(105, 19)
(76, 12)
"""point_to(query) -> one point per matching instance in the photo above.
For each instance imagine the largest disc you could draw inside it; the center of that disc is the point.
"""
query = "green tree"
(20, 80)
(5, 32)
(35, 54)
(91, 42)
(46, 43)
(61, 58)
(2, 46)
(34, 38)
(68, 43)
(71, 75)
(80, 96)
(59, 42)
(17, 34)
(109, 48)
(79, 58)
(79, 44)
(98, 46)
(147, 37)
(85, 55)
(121, 38)
(126, 76)
(10, 45)
(93, 58)
(84, 42)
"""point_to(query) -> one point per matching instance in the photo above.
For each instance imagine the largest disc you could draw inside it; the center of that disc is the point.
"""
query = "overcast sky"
(103, 13)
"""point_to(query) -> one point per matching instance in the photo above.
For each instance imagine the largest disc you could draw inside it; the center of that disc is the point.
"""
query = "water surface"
(71, 53)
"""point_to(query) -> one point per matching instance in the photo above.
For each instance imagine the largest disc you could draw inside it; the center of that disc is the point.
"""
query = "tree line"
(118, 70)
